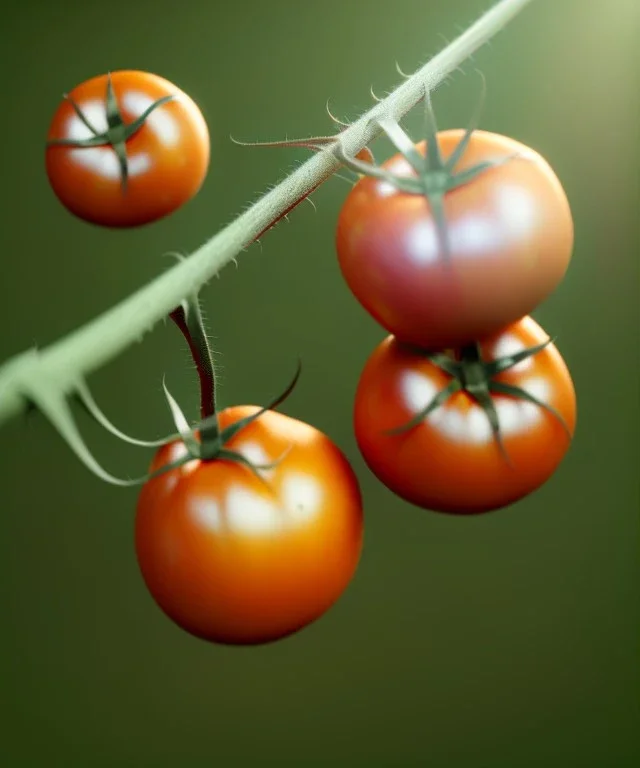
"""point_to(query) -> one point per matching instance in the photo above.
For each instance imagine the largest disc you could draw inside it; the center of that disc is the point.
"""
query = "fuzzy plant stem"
(40, 375)
(188, 318)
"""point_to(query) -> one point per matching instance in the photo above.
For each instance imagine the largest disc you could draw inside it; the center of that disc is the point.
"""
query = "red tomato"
(451, 461)
(510, 236)
(235, 559)
(166, 158)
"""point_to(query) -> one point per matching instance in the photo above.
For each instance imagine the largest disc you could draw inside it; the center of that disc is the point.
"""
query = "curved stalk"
(69, 360)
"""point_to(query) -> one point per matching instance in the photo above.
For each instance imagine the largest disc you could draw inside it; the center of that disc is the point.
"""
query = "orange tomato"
(509, 232)
(239, 559)
(166, 158)
(451, 461)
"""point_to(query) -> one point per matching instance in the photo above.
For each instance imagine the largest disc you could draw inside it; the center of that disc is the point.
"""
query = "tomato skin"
(235, 560)
(450, 462)
(168, 156)
(510, 237)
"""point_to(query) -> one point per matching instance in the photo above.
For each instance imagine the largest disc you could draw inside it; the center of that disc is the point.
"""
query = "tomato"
(509, 232)
(451, 461)
(238, 559)
(121, 180)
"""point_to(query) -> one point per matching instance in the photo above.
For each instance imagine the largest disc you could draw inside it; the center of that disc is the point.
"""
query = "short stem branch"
(192, 326)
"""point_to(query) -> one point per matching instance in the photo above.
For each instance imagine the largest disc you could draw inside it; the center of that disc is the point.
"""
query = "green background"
(508, 640)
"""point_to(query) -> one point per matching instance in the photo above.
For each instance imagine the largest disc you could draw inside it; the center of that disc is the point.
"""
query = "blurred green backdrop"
(505, 641)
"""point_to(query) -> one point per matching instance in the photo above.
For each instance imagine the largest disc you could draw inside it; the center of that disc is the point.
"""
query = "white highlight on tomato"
(103, 160)
(160, 121)
(509, 345)
(517, 211)
(471, 423)
(171, 482)
(511, 217)
(256, 454)
(250, 513)
(520, 415)
(207, 512)
(96, 115)
(422, 243)
(301, 496)
(386, 189)
(247, 512)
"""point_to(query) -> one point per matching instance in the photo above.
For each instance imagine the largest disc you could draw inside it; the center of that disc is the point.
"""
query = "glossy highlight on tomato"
(167, 158)
(510, 236)
(451, 461)
(238, 559)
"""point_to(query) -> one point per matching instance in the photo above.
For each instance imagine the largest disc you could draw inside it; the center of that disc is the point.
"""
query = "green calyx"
(212, 441)
(118, 132)
(477, 377)
(434, 177)
(204, 442)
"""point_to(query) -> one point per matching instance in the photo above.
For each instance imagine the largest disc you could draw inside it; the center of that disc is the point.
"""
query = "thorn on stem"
(334, 118)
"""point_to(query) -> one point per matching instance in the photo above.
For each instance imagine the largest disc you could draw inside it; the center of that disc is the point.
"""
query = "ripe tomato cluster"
(467, 406)
(249, 526)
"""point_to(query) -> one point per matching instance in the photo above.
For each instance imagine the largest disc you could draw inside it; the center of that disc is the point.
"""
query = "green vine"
(46, 378)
